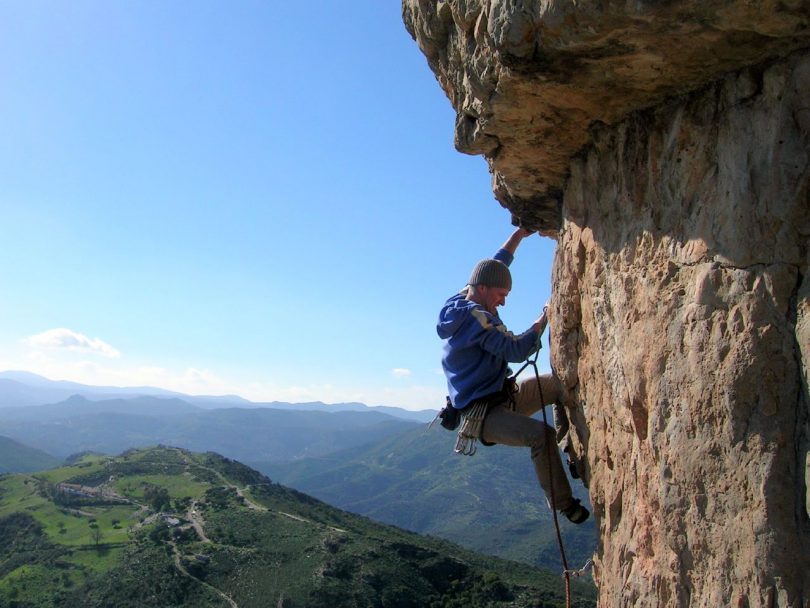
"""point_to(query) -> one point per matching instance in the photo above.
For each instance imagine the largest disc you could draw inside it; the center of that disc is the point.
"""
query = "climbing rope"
(531, 361)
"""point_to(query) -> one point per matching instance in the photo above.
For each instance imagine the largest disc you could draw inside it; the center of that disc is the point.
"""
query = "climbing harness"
(473, 416)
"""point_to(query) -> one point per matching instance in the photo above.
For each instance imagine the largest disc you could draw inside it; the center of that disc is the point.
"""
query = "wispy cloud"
(401, 372)
(63, 338)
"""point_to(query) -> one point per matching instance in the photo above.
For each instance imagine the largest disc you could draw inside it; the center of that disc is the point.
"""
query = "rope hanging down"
(531, 361)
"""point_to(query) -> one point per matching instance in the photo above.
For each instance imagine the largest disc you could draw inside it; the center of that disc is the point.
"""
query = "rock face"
(666, 146)
(681, 280)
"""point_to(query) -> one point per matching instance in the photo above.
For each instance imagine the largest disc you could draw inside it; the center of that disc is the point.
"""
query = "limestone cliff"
(666, 146)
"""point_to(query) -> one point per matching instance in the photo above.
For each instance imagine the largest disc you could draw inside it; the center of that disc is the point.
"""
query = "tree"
(96, 534)
(157, 497)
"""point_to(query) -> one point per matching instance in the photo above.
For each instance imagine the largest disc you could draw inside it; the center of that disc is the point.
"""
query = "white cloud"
(401, 372)
(68, 339)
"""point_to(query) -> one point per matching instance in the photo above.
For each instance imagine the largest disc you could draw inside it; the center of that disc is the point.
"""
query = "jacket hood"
(453, 315)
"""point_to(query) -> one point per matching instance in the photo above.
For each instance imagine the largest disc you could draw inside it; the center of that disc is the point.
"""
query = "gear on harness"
(471, 426)
(472, 417)
(448, 417)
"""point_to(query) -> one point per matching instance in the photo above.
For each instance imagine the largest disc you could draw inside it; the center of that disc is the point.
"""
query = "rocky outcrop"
(529, 79)
(666, 146)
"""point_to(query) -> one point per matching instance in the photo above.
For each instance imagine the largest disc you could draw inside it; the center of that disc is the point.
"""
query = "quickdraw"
(472, 421)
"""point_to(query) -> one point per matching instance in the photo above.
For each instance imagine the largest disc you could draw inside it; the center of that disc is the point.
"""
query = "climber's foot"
(575, 512)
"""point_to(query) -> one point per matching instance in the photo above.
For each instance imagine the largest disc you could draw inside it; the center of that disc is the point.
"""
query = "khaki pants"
(520, 430)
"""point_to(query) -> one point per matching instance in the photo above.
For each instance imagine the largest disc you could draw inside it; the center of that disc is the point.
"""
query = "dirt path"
(250, 504)
(193, 515)
(241, 493)
(178, 562)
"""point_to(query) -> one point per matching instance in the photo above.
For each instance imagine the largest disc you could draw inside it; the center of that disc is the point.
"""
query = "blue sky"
(236, 197)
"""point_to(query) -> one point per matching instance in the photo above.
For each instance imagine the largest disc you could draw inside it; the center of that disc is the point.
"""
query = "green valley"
(489, 503)
(167, 527)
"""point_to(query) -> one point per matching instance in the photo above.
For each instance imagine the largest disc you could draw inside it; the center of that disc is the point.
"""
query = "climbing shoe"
(572, 465)
(575, 512)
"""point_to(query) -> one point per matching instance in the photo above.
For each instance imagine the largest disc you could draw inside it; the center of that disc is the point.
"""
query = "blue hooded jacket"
(478, 347)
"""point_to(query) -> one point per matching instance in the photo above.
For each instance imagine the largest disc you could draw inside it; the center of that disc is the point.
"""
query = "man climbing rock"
(477, 351)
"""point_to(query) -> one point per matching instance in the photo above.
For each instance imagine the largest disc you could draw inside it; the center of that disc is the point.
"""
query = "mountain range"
(112, 426)
(22, 389)
(366, 461)
(113, 419)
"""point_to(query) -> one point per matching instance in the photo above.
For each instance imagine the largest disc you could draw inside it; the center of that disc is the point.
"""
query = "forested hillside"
(167, 527)
(490, 502)
(16, 457)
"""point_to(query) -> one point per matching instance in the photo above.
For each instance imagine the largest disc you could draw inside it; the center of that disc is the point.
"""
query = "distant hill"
(416, 416)
(167, 527)
(23, 389)
(18, 458)
(17, 394)
(489, 502)
(114, 425)
(77, 406)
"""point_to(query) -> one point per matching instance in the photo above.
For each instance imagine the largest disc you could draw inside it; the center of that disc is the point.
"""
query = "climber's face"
(490, 297)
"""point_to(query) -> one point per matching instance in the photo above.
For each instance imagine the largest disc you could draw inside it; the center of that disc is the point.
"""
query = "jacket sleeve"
(496, 339)
(502, 255)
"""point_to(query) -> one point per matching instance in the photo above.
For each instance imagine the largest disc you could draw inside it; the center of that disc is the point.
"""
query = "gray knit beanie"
(491, 273)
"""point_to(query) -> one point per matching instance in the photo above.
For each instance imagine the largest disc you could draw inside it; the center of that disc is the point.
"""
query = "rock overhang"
(530, 80)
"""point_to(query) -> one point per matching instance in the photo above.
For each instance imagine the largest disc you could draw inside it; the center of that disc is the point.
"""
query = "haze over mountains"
(22, 389)
(110, 420)
(63, 418)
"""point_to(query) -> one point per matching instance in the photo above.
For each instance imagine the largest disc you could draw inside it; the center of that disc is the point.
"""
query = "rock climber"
(477, 351)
